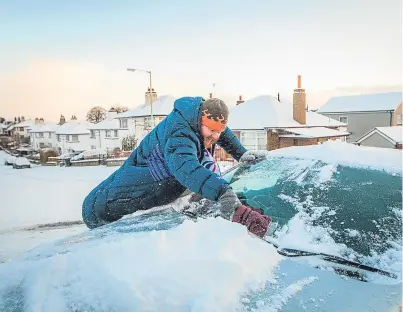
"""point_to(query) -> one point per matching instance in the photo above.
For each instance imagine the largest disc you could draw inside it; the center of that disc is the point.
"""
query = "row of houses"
(263, 122)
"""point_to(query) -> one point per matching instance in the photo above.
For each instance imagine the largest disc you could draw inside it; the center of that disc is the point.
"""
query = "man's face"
(209, 136)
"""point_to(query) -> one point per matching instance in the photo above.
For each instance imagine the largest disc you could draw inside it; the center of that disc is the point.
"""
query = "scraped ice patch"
(338, 152)
(146, 271)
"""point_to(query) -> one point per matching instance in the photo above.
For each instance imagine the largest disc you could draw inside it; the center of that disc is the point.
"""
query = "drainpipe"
(391, 118)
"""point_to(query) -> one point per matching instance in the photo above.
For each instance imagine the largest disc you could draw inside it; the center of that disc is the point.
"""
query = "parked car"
(21, 163)
(338, 238)
(9, 160)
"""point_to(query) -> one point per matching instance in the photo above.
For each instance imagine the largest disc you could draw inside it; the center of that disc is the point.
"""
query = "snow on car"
(21, 162)
(9, 160)
(337, 246)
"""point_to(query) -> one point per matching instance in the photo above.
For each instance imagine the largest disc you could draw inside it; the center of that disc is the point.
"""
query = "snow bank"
(338, 152)
(188, 268)
(45, 194)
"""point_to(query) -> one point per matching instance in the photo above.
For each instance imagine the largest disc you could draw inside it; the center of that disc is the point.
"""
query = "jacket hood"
(190, 109)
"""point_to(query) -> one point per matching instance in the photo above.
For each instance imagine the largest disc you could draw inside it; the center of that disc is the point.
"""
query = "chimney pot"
(211, 95)
(299, 81)
(240, 101)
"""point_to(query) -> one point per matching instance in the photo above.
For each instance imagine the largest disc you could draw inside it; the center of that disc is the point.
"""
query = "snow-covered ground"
(42, 196)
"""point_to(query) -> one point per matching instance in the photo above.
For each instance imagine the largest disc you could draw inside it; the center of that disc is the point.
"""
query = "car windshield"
(352, 212)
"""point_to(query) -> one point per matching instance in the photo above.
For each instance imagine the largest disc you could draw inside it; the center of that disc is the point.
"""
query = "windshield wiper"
(289, 252)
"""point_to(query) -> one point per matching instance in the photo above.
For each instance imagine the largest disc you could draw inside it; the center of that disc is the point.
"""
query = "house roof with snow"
(106, 124)
(110, 123)
(74, 127)
(266, 112)
(161, 107)
(46, 127)
(362, 103)
(25, 124)
(393, 134)
(3, 126)
(10, 126)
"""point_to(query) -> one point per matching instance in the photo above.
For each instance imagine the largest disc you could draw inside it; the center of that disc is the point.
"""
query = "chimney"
(112, 113)
(211, 95)
(278, 97)
(150, 96)
(240, 101)
(36, 120)
(62, 120)
(299, 104)
(22, 118)
(73, 117)
(41, 121)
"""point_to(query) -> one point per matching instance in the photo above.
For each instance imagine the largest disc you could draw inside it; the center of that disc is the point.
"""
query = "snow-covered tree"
(96, 114)
(119, 108)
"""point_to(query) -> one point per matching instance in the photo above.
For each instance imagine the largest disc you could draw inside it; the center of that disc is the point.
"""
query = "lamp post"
(150, 90)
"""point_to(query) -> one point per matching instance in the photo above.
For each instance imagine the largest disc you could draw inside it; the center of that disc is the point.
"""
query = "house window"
(58, 137)
(399, 120)
(93, 147)
(147, 122)
(92, 134)
(254, 140)
(108, 133)
(116, 133)
(50, 135)
(74, 137)
(40, 134)
(343, 119)
(123, 123)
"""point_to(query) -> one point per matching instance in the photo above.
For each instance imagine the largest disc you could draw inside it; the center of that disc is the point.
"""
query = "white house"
(386, 137)
(43, 134)
(21, 129)
(138, 120)
(106, 135)
(73, 136)
(3, 129)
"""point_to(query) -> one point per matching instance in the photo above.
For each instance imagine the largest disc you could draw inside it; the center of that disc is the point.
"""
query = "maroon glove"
(255, 222)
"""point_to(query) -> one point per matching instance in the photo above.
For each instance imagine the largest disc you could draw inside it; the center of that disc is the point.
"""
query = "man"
(177, 155)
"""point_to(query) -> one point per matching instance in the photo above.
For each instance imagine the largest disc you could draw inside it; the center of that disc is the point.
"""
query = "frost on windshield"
(354, 212)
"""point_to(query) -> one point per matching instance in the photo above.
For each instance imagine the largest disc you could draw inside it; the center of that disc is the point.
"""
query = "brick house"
(266, 122)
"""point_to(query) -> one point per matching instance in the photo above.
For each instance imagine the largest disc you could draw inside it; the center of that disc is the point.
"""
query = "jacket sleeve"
(181, 157)
(230, 143)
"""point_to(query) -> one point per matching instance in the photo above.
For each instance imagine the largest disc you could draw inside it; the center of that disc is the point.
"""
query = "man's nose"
(216, 135)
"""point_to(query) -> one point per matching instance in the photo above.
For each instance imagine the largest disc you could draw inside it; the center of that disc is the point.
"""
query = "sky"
(64, 57)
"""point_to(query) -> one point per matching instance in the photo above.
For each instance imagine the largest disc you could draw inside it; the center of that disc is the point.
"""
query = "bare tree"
(96, 114)
(119, 108)
(2, 120)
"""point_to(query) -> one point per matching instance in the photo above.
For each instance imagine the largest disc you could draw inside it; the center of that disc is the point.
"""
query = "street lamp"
(150, 90)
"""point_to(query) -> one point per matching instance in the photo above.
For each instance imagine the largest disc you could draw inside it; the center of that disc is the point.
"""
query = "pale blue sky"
(66, 56)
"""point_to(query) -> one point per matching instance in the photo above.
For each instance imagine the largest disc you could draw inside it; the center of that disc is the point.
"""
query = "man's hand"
(251, 156)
